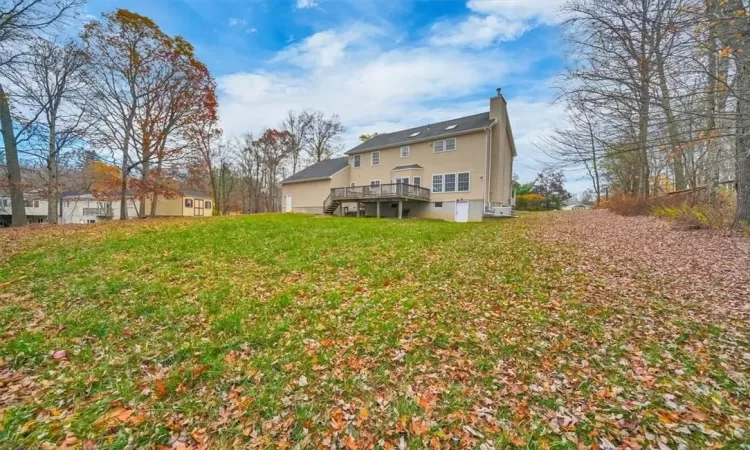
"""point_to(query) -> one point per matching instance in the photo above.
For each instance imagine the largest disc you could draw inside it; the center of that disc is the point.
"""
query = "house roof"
(408, 166)
(319, 171)
(426, 133)
(193, 193)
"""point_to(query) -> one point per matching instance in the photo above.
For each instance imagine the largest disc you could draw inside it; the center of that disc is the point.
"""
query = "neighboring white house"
(36, 209)
(575, 207)
(85, 208)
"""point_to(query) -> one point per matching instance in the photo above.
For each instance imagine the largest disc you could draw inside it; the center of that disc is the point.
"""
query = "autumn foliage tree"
(149, 90)
(204, 136)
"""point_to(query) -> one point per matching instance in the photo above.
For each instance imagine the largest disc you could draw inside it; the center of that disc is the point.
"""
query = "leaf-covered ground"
(570, 330)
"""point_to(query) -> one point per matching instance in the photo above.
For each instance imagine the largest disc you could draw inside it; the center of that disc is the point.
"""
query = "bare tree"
(617, 44)
(579, 145)
(323, 136)
(19, 21)
(50, 82)
(205, 140)
(299, 127)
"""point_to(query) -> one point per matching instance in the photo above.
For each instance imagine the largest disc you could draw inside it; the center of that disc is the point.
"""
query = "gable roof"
(408, 166)
(426, 133)
(319, 171)
(193, 193)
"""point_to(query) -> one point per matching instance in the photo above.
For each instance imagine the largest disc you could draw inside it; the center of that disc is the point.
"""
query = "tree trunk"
(666, 103)
(125, 160)
(217, 196)
(742, 147)
(155, 196)
(643, 111)
(712, 147)
(18, 208)
(52, 173)
(597, 184)
(146, 171)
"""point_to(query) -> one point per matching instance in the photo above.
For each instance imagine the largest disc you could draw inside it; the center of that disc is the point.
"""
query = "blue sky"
(380, 65)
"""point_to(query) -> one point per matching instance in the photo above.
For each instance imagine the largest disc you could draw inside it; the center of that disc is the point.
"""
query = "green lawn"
(277, 330)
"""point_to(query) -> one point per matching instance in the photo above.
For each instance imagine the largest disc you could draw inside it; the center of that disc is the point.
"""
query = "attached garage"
(305, 191)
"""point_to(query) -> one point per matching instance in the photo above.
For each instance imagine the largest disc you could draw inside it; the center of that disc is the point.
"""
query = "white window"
(375, 183)
(353, 184)
(416, 181)
(357, 161)
(415, 134)
(403, 180)
(437, 183)
(448, 145)
(450, 127)
(405, 151)
(463, 182)
(450, 182)
(375, 158)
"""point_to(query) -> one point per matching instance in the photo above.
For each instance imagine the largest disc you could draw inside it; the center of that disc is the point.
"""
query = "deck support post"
(400, 209)
(378, 209)
(357, 209)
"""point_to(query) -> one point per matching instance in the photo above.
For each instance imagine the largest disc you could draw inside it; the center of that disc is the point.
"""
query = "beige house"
(458, 170)
(188, 203)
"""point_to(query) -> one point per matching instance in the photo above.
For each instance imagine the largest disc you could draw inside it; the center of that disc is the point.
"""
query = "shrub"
(689, 209)
(532, 202)
(627, 205)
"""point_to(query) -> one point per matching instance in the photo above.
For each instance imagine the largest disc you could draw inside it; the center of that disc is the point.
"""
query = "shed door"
(462, 211)
(289, 203)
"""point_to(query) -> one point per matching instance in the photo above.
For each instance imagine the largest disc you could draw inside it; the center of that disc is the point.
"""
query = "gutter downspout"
(486, 177)
(488, 171)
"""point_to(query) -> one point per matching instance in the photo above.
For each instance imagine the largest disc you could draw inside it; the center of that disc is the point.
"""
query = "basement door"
(288, 203)
(462, 212)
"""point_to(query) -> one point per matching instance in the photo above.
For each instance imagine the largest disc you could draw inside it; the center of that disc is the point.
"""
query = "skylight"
(415, 134)
(450, 127)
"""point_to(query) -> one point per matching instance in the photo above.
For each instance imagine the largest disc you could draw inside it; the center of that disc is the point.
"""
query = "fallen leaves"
(119, 416)
(256, 332)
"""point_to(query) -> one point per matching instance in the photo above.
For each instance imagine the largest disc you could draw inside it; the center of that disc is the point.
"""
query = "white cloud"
(237, 22)
(541, 11)
(327, 48)
(345, 72)
(304, 4)
(476, 31)
(495, 20)
(374, 89)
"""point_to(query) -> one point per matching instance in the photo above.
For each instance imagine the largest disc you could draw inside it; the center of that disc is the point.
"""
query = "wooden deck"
(375, 194)
(384, 192)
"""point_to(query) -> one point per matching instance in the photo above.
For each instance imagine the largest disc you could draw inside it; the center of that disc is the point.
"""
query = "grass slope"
(273, 330)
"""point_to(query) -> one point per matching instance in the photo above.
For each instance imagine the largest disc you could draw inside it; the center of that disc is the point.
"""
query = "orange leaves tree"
(148, 89)
(204, 136)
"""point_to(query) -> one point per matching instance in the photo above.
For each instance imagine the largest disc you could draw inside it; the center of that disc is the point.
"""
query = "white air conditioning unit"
(503, 211)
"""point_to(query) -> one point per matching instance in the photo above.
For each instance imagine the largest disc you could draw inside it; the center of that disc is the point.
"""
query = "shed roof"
(193, 193)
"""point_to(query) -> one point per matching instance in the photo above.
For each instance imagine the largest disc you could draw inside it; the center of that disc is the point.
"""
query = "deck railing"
(396, 190)
(100, 211)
